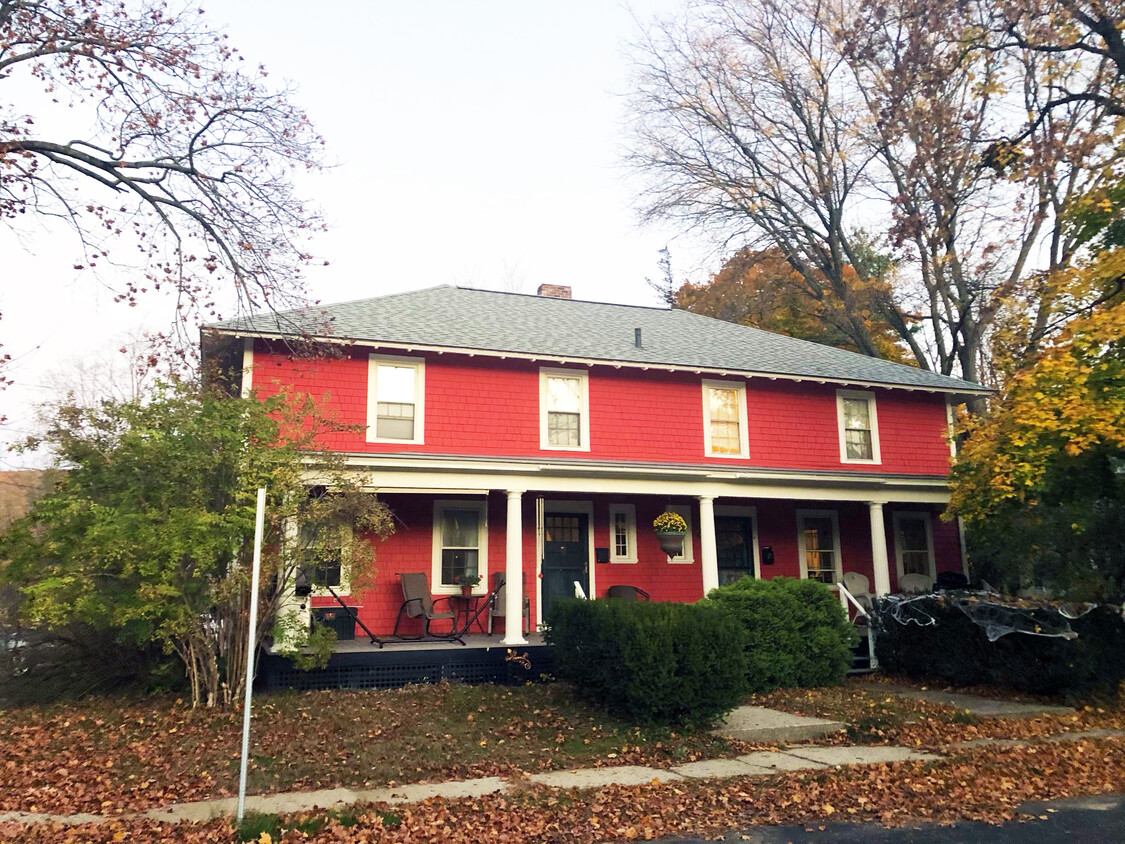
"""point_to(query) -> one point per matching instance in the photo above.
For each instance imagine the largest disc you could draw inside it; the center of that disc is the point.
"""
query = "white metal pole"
(252, 637)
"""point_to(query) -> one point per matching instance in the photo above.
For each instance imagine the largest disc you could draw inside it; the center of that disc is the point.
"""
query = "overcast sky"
(476, 143)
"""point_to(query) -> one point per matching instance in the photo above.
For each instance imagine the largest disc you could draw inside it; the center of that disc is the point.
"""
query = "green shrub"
(798, 635)
(956, 650)
(674, 664)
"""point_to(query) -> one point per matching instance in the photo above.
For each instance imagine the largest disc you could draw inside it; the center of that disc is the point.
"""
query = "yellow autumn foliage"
(1069, 400)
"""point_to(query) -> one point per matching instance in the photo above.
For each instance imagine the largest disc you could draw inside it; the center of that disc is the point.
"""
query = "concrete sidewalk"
(763, 763)
(982, 707)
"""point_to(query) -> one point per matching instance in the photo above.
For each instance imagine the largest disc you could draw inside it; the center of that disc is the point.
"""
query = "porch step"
(861, 656)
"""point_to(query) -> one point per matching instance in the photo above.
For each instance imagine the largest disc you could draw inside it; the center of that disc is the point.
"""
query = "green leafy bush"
(956, 650)
(797, 633)
(674, 664)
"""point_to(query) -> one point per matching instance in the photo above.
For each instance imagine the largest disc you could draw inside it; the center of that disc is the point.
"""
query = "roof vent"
(637, 338)
(554, 291)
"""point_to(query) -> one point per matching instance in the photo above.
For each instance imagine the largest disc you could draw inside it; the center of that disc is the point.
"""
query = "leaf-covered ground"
(113, 758)
(981, 785)
(106, 756)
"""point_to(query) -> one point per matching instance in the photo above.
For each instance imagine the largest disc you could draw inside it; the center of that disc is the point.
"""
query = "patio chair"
(915, 584)
(498, 609)
(627, 593)
(418, 603)
(860, 587)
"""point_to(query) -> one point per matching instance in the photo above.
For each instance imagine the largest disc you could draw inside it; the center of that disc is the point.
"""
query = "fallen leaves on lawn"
(981, 785)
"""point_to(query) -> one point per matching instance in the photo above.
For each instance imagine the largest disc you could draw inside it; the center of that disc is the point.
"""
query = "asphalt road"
(1083, 820)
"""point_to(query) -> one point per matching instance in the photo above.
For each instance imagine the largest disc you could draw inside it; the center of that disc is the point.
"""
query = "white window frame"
(873, 418)
(583, 376)
(419, 365)
(440, 506)
(347, 538)
(750, 513)
(819, 514)
(896, 519)
(630, 513)
(687, 557)
(743, 433)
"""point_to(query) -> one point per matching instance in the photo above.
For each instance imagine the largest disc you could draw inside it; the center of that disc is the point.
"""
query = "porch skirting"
(399, 664)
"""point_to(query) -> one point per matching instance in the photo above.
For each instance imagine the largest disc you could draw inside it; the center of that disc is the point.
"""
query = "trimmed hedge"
(658, 663)
(798, 635)
(957, 651)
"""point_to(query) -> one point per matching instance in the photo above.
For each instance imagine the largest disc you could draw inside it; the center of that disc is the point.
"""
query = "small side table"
(466, 606)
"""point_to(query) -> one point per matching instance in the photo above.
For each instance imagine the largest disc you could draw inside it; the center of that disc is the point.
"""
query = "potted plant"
(467, 582)
(670, 530)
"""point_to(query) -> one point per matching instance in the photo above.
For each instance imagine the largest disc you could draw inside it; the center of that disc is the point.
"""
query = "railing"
(861, 612)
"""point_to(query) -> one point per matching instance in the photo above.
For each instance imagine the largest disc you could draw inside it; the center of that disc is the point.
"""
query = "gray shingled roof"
(461, 318)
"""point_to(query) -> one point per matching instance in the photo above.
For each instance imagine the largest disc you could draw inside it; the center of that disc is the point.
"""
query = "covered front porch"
(545, 528)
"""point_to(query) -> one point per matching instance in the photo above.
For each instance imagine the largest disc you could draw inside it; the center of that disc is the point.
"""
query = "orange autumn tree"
(760, 288)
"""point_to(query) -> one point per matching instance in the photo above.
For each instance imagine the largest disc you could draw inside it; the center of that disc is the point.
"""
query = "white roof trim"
(971, 389)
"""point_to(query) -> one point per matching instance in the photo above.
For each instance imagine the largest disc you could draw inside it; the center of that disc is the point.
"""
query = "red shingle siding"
(490, 407)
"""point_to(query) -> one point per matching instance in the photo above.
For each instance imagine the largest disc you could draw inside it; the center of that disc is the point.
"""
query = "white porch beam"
(513, 571)
(879, 549)
(709, 554)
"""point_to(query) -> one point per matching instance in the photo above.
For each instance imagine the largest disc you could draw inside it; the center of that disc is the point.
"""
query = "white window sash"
(743, 433)
(373, 398)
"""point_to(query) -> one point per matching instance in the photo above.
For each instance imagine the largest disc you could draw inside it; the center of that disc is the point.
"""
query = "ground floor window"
(622, 533)
(459, 541)
(322, 552)
(819, 541)
(914, 545)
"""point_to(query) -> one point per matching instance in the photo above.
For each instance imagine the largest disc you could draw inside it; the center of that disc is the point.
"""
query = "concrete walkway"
(982, 707)
(763, 763)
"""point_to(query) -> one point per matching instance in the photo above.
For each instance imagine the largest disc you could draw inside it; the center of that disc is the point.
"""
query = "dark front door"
(566, 556)
(734, 541)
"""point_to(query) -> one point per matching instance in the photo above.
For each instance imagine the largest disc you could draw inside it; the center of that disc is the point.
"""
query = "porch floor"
(361, 644)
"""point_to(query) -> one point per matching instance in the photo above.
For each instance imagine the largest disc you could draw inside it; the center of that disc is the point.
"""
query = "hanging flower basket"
(670, 530)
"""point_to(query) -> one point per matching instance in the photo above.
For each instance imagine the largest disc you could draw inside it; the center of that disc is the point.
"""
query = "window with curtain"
(914, 545)
(460, 544)
(564, 411)
(724, 420)
(857, 429)
(820, 548)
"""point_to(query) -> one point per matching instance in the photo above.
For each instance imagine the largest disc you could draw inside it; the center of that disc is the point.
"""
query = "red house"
(539, 436)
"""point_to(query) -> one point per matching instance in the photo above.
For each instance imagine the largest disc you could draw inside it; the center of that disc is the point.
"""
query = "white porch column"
(709, 555)
(513, 571)
(879, 549)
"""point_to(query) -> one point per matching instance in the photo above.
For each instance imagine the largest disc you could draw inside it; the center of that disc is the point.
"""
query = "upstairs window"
(564, 406)
(395, 401)
(724, 419)
(859, 427)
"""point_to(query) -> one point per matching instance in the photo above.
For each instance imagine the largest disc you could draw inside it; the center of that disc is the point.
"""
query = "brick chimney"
(554, 291)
